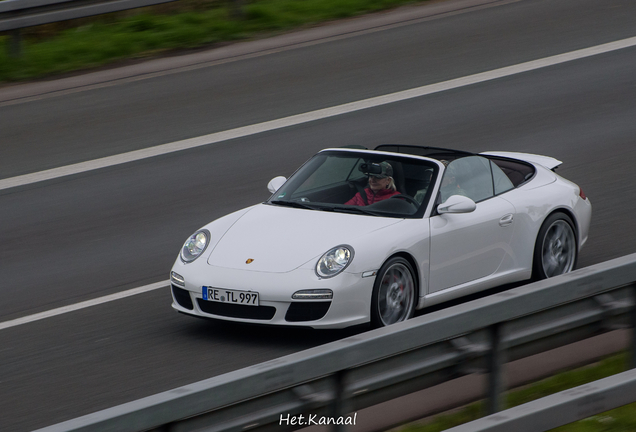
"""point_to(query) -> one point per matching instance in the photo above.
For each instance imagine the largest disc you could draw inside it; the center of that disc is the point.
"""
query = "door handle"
(506, 220)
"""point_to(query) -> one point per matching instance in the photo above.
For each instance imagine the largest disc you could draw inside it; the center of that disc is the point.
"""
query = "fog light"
(314, 294)
(177, 279)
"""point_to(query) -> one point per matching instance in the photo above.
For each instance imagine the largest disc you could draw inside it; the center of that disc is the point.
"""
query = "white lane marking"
(312, 115)
(83, 305)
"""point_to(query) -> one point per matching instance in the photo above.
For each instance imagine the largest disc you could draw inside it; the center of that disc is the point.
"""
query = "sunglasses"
(376, 177)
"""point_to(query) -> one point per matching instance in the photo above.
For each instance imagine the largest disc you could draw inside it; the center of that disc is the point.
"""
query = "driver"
(381, 187)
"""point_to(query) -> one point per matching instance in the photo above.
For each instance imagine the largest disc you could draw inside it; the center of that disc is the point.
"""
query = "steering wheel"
(407, 199)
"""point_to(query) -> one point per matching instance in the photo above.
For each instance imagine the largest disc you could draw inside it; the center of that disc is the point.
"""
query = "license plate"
(248, 298)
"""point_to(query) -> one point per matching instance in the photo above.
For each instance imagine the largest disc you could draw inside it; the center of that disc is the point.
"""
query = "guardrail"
(331, 381)
(19, 14)
(561, 408)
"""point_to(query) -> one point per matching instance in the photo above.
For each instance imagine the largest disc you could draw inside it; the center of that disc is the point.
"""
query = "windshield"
(361, 183)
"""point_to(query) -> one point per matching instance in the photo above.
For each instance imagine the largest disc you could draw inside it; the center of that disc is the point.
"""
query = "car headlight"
(334, 261)
(195, 245)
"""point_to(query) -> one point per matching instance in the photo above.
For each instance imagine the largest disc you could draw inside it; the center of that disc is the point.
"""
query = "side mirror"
(275, 183)
(457, 204)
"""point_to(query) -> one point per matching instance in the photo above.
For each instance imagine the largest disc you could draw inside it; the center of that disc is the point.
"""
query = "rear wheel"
(394, 292)
(556, 250)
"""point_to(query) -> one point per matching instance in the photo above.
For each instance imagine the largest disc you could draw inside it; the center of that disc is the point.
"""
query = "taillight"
(582, 194)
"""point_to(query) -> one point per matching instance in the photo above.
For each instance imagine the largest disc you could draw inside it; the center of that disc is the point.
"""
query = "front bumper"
(349, 306)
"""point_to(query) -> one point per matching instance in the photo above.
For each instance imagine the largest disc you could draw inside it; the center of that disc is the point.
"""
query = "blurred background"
(79, 90)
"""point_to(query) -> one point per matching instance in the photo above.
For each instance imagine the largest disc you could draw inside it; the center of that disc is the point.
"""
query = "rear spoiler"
(546, 161)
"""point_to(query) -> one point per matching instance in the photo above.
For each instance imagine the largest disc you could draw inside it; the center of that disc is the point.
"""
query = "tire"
(556, 249)
(394, 293)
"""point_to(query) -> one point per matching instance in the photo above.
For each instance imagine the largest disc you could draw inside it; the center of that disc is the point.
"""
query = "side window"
(417, 181)
(501, 180)
(469, 176)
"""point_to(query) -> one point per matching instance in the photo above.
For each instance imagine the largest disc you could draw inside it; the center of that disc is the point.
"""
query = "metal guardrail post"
(632, 348)
(339, 405)
(15, 44)
(495, 364)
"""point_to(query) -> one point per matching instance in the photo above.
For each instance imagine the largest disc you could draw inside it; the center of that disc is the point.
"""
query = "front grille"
(182, 297)
(306, 311)
(237, 311)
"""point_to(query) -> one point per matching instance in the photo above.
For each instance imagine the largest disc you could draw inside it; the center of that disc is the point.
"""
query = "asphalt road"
(85, 236)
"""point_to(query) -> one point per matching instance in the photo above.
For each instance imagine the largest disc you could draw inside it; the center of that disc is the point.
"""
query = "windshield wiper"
(295, 204)
(353, 209)
(347, 209)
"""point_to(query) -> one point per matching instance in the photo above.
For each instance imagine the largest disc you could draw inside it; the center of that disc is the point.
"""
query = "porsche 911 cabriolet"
(369, 236)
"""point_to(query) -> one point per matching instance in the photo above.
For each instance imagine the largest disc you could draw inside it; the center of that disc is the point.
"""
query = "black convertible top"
(518, 171)
(431, 152)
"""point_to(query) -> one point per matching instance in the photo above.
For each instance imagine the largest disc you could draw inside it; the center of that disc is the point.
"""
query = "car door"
(469, 246)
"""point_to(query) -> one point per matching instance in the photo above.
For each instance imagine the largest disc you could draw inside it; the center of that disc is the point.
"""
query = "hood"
(281, 239)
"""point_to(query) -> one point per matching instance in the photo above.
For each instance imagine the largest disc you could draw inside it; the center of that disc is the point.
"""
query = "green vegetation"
(185, 24)
(622, 419)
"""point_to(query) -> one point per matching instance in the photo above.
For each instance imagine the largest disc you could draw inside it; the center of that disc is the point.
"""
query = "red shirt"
(372, 197)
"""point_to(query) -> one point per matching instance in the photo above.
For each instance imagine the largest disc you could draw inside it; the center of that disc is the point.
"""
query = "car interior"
(338, 179)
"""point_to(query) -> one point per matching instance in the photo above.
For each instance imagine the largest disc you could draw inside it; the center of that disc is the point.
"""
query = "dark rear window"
(518, 172)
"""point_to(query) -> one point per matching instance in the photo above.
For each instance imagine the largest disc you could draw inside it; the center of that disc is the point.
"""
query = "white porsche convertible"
(357, 236)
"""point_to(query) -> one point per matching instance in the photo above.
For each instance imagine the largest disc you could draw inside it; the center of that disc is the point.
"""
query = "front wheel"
(556, 250)
(394, 291)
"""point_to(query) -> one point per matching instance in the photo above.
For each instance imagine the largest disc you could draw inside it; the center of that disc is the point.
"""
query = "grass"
(185, 24)
(622, 419)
